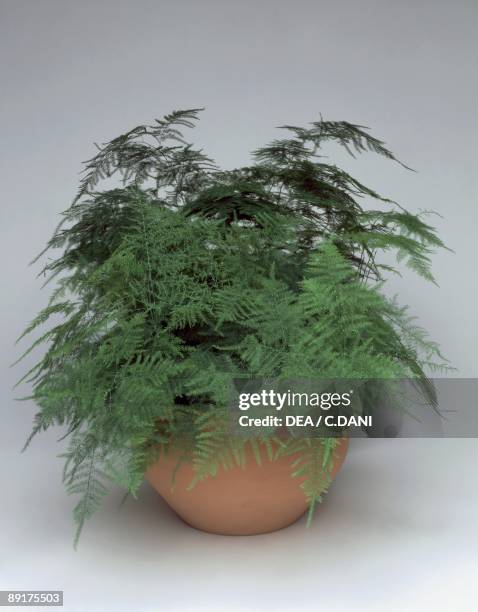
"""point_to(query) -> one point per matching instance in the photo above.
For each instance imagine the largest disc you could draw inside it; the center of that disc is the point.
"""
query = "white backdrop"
(398, 524)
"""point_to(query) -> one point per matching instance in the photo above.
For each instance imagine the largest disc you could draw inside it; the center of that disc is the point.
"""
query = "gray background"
(398, 527)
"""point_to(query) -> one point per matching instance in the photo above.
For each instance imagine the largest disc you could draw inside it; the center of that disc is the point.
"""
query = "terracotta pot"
(239, 501)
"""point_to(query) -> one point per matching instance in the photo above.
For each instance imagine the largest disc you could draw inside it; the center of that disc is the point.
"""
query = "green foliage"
(185, 276)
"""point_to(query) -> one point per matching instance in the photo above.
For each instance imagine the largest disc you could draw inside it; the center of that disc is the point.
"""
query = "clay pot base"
(237, 530)
(240, 501)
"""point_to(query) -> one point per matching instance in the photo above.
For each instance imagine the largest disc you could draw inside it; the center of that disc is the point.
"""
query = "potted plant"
(184, 276)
